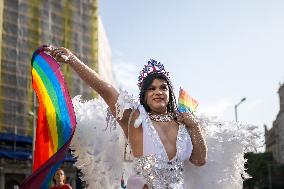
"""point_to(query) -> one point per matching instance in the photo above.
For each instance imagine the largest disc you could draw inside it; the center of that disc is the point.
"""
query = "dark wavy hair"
(172, 105)
(54, 180)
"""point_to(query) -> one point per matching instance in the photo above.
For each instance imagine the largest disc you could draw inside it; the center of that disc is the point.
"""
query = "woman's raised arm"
(104, 89)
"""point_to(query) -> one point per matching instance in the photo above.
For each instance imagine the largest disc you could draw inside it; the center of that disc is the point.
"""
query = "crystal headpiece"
(152, 67)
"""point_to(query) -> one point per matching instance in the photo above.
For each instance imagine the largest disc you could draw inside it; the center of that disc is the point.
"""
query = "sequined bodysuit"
(154, 168)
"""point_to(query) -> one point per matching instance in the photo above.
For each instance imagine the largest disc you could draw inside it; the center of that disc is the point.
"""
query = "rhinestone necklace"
(162, 117)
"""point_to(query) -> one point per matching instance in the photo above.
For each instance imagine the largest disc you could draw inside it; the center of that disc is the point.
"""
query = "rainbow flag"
(56, 120)
(186, 103)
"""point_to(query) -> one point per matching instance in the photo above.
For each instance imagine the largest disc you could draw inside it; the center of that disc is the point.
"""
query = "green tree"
(266, 174)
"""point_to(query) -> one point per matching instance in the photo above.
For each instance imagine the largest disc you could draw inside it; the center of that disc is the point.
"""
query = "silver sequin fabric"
(160, 174)
(158, 171)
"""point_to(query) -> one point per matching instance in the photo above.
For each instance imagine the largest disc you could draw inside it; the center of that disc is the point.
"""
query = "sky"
(220, 51)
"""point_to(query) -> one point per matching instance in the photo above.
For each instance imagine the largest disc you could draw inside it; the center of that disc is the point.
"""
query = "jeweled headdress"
(152, 67)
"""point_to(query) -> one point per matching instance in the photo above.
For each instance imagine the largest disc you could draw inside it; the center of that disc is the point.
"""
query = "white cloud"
(254, 104)
(126, 75)
(218, 108)
(224, 108)
(118, 53)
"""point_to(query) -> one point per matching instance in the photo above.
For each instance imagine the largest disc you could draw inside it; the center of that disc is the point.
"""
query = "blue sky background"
(218, 50)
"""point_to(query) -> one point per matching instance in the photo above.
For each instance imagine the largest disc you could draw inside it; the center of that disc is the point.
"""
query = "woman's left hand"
(187, 119)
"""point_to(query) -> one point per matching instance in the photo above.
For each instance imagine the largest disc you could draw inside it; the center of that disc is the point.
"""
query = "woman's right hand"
(61, 54)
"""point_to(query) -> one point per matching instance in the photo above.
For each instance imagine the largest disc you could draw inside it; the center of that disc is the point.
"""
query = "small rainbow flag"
(186, 103)
(56, 119)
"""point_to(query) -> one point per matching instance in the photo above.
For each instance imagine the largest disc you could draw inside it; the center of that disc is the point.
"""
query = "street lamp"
(236, 108)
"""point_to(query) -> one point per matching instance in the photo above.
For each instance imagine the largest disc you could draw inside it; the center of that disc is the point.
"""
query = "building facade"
(274, 138)
(24, 26)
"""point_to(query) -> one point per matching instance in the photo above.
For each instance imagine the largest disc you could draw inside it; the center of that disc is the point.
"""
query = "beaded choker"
(162, 117)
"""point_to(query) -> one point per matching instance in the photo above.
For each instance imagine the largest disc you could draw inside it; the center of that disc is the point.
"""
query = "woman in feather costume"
(168, 146)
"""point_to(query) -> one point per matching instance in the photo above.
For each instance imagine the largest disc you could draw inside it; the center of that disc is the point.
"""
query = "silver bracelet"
(193, 118)
(71, 59)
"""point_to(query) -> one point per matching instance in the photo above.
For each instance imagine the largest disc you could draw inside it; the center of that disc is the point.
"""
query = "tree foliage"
(265, 172)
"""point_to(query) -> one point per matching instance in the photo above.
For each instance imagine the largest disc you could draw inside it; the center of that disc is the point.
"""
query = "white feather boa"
(99, 151)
